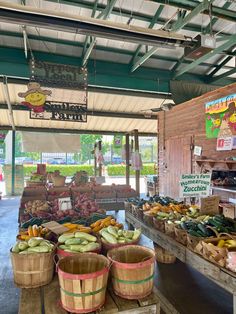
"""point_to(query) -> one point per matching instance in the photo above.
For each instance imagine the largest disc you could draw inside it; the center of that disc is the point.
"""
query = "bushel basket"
(159, 224)
(32, 270)
(181, 235)
(132, 271)
(163, 256)
(83, 282)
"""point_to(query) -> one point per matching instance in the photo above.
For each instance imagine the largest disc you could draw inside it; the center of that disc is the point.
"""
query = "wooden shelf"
(212, 162)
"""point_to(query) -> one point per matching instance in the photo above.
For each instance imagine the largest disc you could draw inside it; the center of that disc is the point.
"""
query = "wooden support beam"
(137, 172)
(100, 165)
(127, 158)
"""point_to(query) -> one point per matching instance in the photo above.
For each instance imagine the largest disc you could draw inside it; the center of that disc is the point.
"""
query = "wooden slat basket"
(159, 224)
(214, 254)
(132, 271)
(170, 229)
(181, 235)
(32, 270)
(148, 219)
(83, 282)
(163, 256)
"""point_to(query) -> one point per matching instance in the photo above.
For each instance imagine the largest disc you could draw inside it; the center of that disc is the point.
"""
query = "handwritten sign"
(194, 185)
(210, 205)
(64, 203)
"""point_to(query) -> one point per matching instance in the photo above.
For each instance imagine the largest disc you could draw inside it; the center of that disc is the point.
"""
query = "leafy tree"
(87, 142)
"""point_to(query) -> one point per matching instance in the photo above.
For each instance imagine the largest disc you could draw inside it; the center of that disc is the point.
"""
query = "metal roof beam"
(207, 29)
(190, 5)
(152, 23)
(229, 43)
(221, 65)
(223, 75)
(104, 15)
(72, 131)
(182, 21)
(98, 48)
(179, 24)
(108, 75)
(96, 113)
(127, 13)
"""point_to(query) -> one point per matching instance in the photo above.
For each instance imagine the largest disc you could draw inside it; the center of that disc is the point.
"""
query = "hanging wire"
(210, 15)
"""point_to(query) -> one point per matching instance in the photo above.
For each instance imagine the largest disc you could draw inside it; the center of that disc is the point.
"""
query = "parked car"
(2, 161)
(56, 161)
(116, 160)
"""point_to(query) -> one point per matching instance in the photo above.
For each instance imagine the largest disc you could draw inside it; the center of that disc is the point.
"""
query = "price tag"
(64, 203)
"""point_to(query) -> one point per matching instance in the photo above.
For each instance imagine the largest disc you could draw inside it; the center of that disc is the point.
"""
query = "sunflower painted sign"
(221, 114)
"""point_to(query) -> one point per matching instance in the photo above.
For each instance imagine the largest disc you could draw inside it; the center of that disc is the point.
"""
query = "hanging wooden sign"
(59, 75)
(62, 111)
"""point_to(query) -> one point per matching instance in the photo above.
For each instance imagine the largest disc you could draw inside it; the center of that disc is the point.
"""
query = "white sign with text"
(195, 185)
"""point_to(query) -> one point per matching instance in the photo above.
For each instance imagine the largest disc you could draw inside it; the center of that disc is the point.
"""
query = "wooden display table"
(45, 300)
(223, 277)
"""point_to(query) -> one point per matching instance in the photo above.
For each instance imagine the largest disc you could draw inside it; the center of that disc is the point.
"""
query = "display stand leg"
(234, 303)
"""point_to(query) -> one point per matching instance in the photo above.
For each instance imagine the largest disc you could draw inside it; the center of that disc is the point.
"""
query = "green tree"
(87, 142)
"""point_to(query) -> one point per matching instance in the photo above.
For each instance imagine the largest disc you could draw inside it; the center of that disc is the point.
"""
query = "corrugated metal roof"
(148, 8)
(96, 102)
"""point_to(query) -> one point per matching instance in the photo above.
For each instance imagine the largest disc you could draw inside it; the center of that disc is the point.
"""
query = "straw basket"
(32, 270)
(159, 224)
(170, 229)
(132, 271)
(214, 254)
(181, 235)
(194, 243)
(83, 282)
(58, 180)
(163, 256)
(108, 246)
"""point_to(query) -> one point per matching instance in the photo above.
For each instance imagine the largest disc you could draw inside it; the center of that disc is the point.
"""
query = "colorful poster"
(118, 140)
(219, 111)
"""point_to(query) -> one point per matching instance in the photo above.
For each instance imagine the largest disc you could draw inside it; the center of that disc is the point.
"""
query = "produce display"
(33, 245)
(33, 207)
(72, 227)
(114, 235)
(37, 178)
(106, 222)
(78, 242)
(33, 231)
(230, 244)
(200, 226)
(85, 206)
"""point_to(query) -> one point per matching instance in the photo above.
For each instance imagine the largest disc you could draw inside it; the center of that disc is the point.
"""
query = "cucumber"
(203, 230)
(193, 233)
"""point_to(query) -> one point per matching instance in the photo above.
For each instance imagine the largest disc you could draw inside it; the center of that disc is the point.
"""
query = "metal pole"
(127, 172)
(95, 161)
(13, 162)
(137, 172)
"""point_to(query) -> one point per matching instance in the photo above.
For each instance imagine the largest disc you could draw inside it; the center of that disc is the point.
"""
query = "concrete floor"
(187, 290)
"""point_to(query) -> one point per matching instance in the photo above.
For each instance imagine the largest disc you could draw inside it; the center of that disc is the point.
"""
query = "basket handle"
(214, 230)
(56, 262)
(226, 234)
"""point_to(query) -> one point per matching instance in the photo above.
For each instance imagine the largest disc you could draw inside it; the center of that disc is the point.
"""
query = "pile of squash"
(106, 222)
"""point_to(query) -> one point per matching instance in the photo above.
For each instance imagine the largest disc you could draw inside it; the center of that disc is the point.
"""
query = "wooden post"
(127, 172)
(100, 165)
(137, 172)
(13, 162)
(95, 160)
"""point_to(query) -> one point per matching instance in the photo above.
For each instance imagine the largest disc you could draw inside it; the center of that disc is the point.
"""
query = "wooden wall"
(185, 124)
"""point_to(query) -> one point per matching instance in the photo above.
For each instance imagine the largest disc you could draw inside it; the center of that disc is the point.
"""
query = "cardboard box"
(31, 191)
(229, 210)
(103, 188)
(210, 205)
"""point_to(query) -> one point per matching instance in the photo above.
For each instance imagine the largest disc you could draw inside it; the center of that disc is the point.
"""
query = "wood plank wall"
(184, 120)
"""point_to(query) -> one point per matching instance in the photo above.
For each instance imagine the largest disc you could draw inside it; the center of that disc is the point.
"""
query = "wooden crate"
(46, 300)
